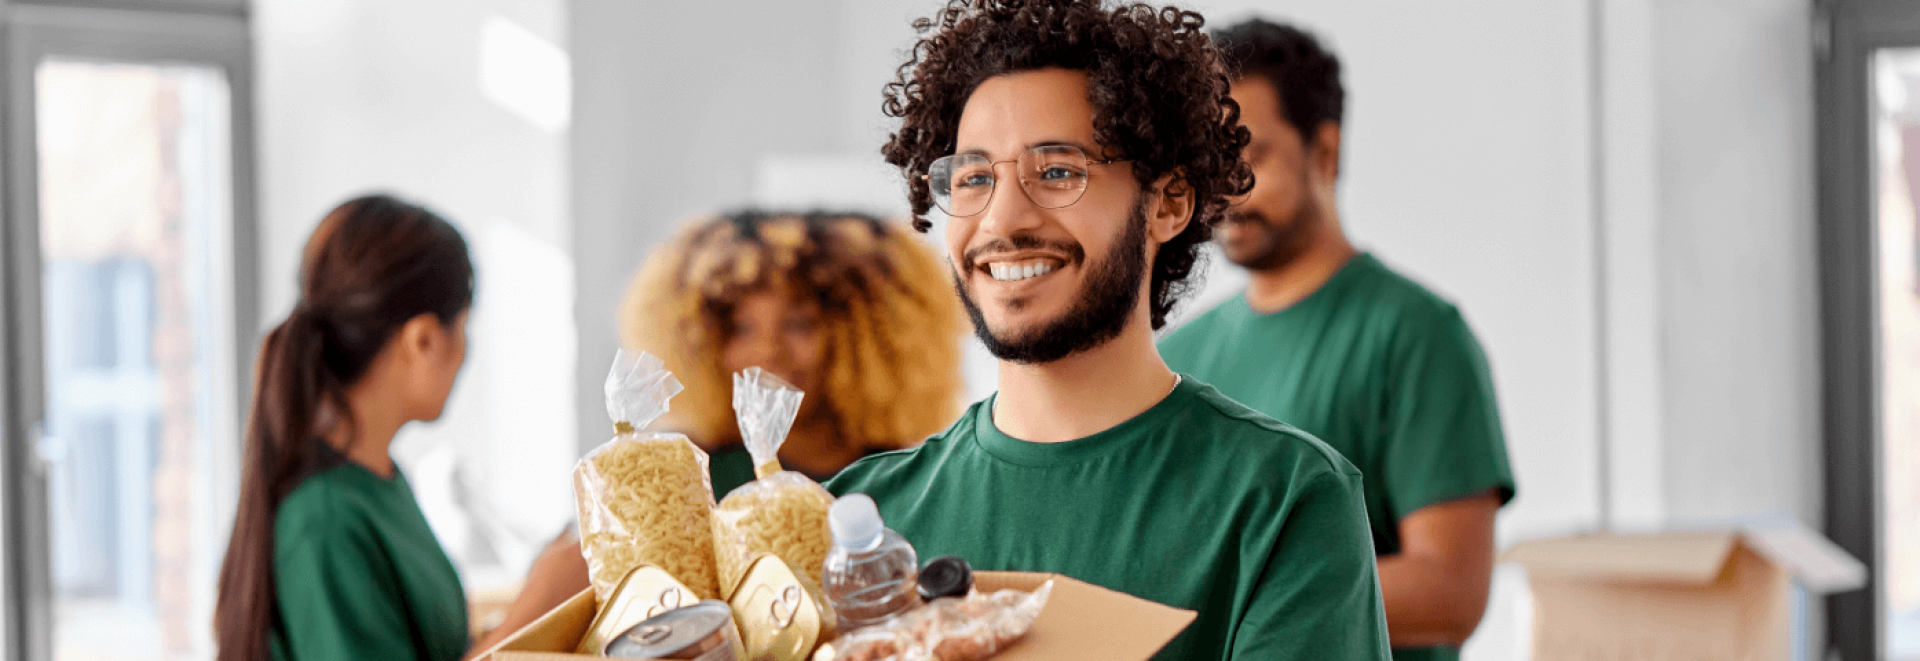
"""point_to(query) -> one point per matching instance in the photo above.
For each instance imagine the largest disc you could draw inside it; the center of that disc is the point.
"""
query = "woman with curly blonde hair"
(846, 307)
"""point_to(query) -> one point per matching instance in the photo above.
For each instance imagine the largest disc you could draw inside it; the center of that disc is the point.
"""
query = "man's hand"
(1436, 586)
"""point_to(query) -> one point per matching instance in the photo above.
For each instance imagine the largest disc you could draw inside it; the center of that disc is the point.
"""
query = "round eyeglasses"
(1053, 176)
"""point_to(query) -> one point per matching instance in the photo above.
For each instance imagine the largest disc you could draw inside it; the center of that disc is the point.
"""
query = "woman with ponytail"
(331, 558)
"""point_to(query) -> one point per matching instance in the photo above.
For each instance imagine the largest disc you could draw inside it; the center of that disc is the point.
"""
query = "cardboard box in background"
(1080, 622)
(1681, 596)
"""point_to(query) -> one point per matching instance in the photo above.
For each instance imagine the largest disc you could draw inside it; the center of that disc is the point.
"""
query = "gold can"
(782, 616)
(642, 594)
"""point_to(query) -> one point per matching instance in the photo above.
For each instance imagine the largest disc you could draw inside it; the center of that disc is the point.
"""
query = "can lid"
(945, 576)
(672, 632)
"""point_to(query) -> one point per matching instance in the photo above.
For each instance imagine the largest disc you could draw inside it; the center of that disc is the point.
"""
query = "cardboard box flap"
(1820, 566)
(1101, 624)
(1694, 558)
(557, 631)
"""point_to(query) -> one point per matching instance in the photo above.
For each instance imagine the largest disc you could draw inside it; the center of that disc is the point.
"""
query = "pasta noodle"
(784, 514)
(647, 499)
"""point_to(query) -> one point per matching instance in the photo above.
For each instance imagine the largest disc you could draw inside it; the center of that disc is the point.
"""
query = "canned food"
(643, 593)
(701, 632)
(782, 616)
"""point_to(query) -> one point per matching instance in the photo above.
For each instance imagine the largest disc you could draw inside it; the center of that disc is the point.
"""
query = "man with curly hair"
(1330, 339)
(1079, 153)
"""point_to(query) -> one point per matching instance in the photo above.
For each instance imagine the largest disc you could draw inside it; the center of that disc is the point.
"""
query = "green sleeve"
(1443, 438)
(339, 597)
(1318, 597)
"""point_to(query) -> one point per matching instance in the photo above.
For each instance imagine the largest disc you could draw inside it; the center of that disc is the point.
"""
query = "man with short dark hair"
(1331, 340)
(1080, 153)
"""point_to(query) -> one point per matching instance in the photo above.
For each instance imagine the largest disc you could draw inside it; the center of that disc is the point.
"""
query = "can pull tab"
(652, 634)
(789, 598)
(670, 598)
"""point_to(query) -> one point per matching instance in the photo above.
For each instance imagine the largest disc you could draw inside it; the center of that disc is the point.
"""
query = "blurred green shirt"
(358, 574)
(1198, 503)
(1382, 370)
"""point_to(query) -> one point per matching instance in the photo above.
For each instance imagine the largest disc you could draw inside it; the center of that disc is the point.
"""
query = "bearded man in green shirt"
(1329, 339)
(1079, 153)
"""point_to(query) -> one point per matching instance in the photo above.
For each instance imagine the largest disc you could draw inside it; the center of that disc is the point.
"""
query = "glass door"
(127, 175)
(137, 312)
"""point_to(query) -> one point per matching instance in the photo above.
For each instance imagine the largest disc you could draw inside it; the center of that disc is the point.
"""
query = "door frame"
(1847, 33)
(30, 33)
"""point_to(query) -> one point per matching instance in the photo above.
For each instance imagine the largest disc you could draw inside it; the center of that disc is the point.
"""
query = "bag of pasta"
(782, 513)
(645, 497)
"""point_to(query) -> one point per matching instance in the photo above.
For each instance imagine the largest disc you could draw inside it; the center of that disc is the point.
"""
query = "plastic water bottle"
(872, 572)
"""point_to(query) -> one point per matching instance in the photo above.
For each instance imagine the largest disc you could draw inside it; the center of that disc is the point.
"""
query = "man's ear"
(1170, 208)
(1326, 152)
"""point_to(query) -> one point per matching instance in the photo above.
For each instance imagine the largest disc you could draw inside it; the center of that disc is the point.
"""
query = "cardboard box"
(1697, 596)
(1080, 621)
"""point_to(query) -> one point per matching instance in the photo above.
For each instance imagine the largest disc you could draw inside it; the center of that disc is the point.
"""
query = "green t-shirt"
(358, 575)
(1381, 369)
(730, 467)
(1198, 503)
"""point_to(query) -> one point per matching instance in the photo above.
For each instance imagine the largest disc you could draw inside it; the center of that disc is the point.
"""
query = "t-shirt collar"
(1362, 261)
(1028, 453)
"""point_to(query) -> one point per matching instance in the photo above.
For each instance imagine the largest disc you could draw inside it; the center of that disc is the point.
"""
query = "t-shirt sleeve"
(1443, 436)
(1318, 596)
(857, 477)
(338, 596)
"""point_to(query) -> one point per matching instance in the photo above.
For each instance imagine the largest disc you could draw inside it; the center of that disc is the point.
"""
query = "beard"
(1105, 302)
(1267, 243)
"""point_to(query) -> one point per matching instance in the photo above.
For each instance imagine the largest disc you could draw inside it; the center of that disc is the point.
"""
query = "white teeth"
(1014, 273)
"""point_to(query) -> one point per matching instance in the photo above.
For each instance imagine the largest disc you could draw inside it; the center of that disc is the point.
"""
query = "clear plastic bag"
(782, 513)
(645, 497)
(950, 629)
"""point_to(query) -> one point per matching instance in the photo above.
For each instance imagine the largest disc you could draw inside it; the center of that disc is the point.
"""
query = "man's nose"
(1010, 211)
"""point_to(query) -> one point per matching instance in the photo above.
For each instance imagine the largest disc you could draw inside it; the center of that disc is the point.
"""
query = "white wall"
(675, 103)
(452, 103)
(1740, 304)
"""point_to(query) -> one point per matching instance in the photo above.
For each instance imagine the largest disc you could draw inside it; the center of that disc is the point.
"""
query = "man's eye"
(1060, 173)
(976, 180)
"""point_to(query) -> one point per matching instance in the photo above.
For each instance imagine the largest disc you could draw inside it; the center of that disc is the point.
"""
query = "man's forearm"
(1429, 603)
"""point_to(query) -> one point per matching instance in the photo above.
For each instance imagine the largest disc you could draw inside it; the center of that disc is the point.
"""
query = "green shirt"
(358, 575)
(1381, 369)
(730, 467)
(1198, 503)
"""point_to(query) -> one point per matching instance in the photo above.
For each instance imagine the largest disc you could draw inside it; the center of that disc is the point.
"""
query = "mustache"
(1247, 216)
(1075, 254)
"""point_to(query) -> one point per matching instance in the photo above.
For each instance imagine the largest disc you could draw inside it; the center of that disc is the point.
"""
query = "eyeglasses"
(1053, 176)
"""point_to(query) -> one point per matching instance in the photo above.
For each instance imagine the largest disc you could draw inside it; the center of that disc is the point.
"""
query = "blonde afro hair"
(891, 326)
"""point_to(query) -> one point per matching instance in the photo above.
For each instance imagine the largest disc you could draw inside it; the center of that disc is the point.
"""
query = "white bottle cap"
(855, 522)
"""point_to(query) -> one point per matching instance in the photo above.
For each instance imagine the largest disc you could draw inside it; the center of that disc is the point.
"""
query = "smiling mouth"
(1017, 271)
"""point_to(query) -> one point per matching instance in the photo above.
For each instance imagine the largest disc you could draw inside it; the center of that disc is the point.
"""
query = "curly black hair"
(1159, 90)
(1304, 73)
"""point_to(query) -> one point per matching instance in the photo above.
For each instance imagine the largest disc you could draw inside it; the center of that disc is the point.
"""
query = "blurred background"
(1684, 231)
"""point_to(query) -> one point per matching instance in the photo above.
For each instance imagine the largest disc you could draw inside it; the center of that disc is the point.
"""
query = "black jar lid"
(945, 576)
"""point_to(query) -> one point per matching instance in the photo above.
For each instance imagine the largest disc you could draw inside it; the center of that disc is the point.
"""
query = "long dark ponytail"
(373, 264)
